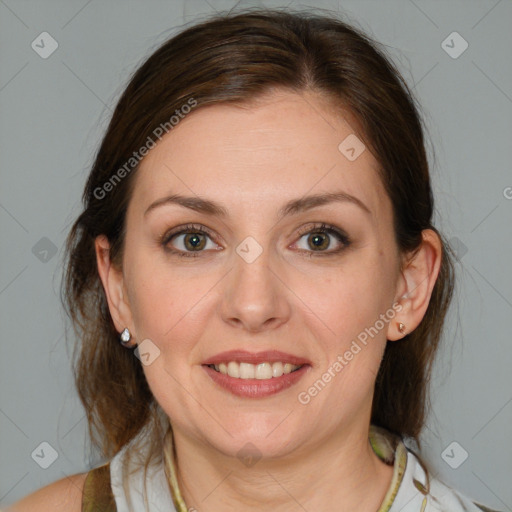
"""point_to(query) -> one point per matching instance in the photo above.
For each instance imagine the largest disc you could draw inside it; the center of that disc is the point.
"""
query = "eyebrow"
(290, 208)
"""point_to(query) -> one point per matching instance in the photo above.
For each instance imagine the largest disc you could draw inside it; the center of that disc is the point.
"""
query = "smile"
(261, 371)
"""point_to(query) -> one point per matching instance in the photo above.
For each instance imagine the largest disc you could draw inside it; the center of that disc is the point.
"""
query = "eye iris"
(194, 240)
(316, 238)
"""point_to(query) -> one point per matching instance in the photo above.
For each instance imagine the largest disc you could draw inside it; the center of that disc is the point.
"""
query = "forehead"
(261, 154)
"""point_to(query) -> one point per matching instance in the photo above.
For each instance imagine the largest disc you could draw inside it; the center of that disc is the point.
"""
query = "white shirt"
(403, 495)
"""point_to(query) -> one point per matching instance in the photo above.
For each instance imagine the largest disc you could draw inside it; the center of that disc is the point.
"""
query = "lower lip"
(256, 388)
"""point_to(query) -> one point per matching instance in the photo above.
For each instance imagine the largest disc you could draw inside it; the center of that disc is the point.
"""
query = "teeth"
(288, 368)
(247, 371)
(233, 370)
(262, 371)
(277, 369)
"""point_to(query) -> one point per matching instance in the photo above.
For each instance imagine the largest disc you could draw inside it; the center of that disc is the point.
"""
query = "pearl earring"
(125, 337)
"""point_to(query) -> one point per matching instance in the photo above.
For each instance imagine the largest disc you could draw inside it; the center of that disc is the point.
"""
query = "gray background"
(53, 112)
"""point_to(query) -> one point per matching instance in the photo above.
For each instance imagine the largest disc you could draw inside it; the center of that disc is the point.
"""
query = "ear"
(113, 284)
(415, 285)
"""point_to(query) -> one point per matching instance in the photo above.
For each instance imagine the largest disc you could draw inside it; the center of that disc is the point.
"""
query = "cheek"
(151, 303)
(352, 297)
(347, 309)
(164, 305)
(168, 302)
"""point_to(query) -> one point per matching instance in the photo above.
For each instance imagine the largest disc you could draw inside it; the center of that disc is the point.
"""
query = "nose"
(255, 297)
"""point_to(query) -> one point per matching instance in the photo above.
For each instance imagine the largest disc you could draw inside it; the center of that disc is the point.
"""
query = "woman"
(256, 281)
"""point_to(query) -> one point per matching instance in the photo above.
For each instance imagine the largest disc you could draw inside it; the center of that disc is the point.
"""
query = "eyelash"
(202, 230)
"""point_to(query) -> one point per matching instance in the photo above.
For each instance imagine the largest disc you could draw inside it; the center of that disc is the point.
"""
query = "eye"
(322, 237)
(191, 240)
(187, 240)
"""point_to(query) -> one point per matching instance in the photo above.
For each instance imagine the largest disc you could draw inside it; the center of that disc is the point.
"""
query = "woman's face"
(254, 274)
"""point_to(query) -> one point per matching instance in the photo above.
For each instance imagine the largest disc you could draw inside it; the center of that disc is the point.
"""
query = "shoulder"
(63, 495)
(445, 497)
(431, 494)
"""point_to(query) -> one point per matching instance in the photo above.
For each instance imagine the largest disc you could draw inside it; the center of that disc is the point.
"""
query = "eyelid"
(322, 226)
(199, 228)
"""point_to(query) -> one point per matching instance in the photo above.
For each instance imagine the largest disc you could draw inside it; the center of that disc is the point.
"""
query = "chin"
(267, 437)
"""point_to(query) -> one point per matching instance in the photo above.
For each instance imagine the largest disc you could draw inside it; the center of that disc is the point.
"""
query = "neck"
(345, 470)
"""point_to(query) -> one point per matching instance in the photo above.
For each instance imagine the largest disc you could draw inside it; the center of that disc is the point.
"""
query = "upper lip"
(266, 356)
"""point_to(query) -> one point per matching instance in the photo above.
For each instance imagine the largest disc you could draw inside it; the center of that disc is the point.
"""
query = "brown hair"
(237, 58)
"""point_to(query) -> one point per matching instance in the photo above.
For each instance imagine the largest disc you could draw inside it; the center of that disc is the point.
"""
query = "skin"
(60, 496)
(253, 159)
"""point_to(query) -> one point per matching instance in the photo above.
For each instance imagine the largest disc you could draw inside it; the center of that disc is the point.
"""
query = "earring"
(401, 327)
(125, 337)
